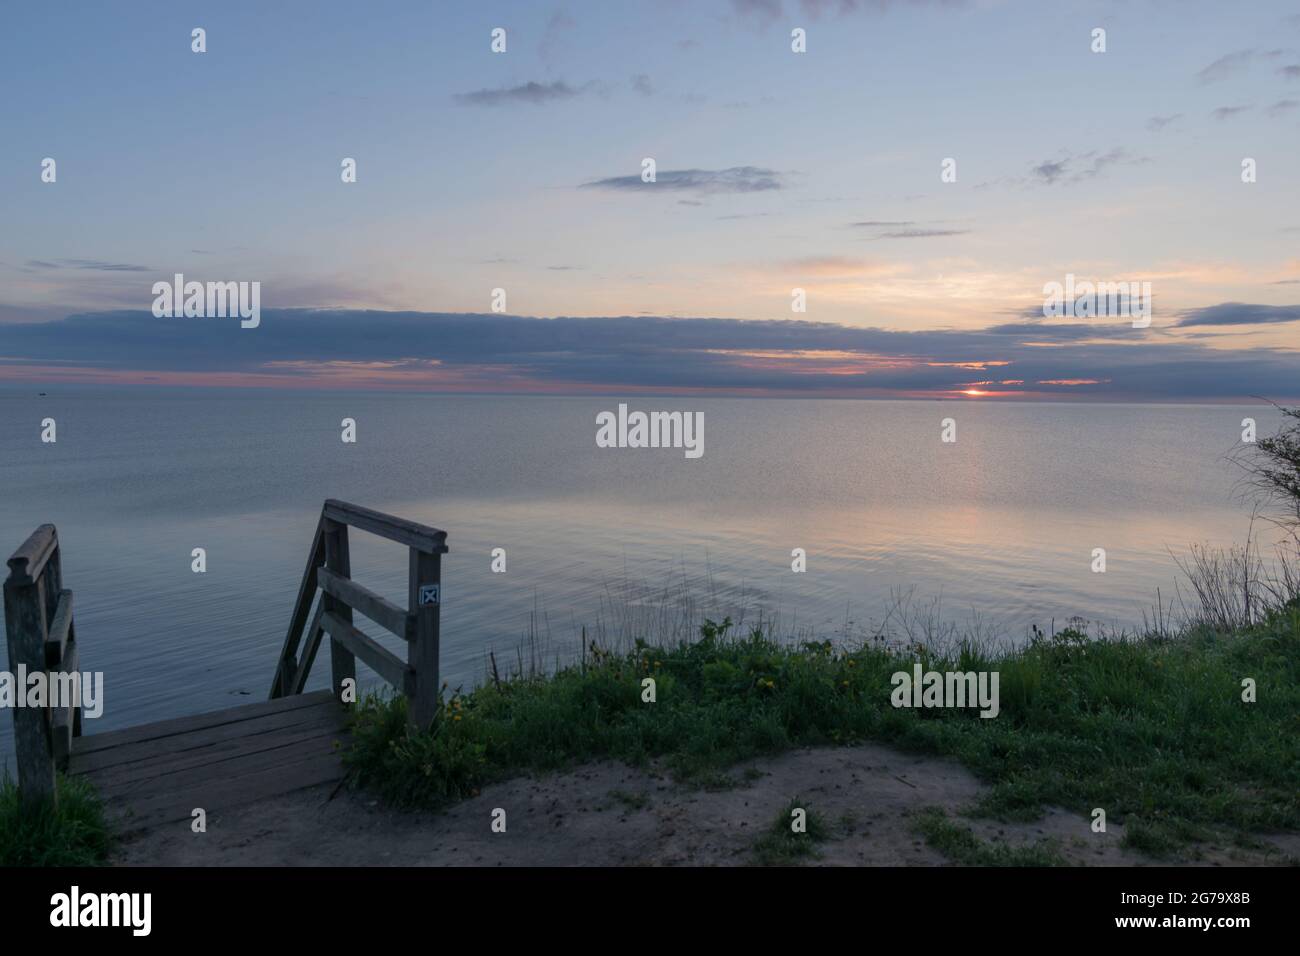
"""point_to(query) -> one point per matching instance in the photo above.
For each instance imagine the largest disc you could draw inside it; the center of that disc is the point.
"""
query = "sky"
(775, 171)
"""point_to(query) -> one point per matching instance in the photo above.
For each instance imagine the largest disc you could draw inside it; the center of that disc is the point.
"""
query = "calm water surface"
(999, 526)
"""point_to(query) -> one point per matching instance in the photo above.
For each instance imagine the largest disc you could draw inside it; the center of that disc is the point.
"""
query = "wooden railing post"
(26, 602)
(425, 602)
(343, 663)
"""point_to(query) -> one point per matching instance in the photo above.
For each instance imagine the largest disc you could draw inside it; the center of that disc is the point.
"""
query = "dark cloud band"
(627, 352)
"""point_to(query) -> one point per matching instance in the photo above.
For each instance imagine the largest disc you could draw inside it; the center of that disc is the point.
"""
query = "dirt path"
(610, 815)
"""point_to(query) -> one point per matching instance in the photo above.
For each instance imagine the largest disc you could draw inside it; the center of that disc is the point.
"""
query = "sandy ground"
(610, 815)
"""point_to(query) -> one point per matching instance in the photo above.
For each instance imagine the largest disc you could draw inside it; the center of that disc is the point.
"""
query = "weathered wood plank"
(267, 749)
(52, 577)
(76, 714)
(127, 786)
(139, 758)
(181, 725)
(326, 713)
(62, 716)
(117, 777)
(60, 626)
(25, 628)
(409, 533)
(360, 598)
(301, 608)
(379, 659)
(27, 563)
(422, 653)
(302, 670)
(343, 664)
(231, 791)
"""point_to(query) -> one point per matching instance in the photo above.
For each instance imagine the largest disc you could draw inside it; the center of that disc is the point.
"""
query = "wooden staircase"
(158, 774)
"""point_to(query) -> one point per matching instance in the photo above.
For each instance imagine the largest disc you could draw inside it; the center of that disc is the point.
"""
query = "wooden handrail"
(56, 641)
(329, 573)
(285, 673)
(41, 636)
(410, 533)
(28, 562)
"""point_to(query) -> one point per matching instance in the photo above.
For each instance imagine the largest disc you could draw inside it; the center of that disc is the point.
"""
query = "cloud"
(922, 233)
(1291, 72)
(489, 352)
(559, 23)
(1228, 112)
(1072, 169)
(1282, 106)
(1157, 123)
(641, 83)
(1239, 313)
(531, 92)
(769, 10)
(1225, 66)
(765, 9)
(906, 229)
(1050, 171)
(830, 266)
(1037, 330)
(736, 179)
(94, 265)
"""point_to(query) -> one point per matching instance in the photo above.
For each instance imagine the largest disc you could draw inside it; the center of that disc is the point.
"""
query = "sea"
(902, 535)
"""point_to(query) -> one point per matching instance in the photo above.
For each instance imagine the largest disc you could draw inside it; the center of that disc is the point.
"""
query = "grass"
(782, 845)
(632, 801)
(961, 845)
(74, 834)
(1153, 730)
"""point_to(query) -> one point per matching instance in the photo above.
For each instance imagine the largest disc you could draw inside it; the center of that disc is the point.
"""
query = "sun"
(974, 391)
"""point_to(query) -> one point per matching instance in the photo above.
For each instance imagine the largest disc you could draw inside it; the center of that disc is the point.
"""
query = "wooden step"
(157, 774)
